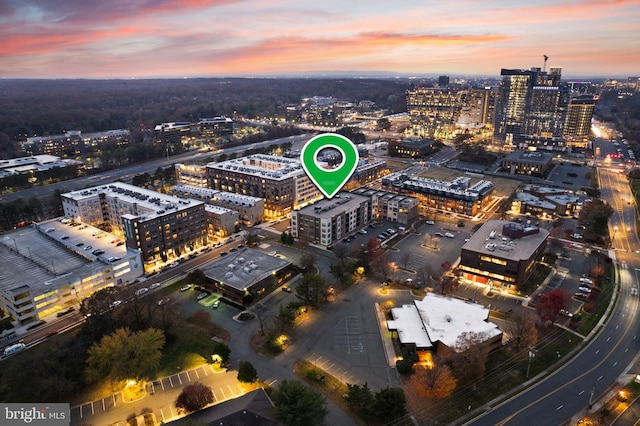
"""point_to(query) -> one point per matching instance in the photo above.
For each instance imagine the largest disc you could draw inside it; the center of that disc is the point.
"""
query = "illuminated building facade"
(161, 226)
(412, 148)
(391, 206)
(281, 182)
(191, 174)
(534, 163)
(457, 196)
(433, 110)
(577, 130)
(216, 126)
(330, 220)
(502, 254)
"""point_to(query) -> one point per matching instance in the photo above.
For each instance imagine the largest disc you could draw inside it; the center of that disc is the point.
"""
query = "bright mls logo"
(37, 414)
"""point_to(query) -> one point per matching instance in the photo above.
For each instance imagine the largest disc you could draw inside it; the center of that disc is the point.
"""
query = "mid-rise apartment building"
(458, 196)
(280, 181)
(161, 226)
(250, 209)
(330, 220)
(391, 206)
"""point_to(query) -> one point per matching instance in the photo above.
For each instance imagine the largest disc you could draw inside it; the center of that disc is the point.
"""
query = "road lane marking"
(170, 381)
(581, 392)
(179, 378)
(224, 396)
(188, 377)
(92, 412)
(271, 384)
(559, 407)
(599, 378)
(597, 351)
(197, 375)
(231, 390)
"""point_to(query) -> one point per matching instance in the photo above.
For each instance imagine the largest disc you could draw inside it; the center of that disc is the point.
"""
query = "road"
(569, 391)
(135, 169)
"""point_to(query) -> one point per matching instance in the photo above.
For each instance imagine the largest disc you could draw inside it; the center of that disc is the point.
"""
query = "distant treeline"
(45, 107)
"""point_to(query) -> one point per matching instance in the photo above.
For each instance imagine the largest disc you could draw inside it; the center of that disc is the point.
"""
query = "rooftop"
(327, 208)
(529, 156)
(439, 318)
(267, 166)
(242, 269)
(155, 203)
(489, 240)
(40, 258)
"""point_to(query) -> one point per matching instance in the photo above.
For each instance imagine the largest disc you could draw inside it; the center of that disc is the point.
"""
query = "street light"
(615, 229)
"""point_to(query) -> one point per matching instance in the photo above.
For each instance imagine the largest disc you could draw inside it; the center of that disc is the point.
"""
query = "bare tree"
(406, 257)
(470, 356)
(522, 331)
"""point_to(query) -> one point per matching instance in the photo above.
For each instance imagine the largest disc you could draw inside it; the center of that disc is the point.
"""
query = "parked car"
(566, 313)
(185, 287)
(216, 304)
(439, 234)
(286, 289)
(116, 303)
(154, 285)
(430, 222)
(586, 280)
(202, 295)
(163, 301)
(449, 235)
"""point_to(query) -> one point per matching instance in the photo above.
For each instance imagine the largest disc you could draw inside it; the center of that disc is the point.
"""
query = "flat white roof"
(439, 318)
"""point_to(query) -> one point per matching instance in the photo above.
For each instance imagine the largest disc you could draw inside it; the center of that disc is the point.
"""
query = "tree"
(197, 277)
(308, 263)
(298, 405)
(406, 257)
(435, 382)
(550, 304)
(125, 355)
(194, 397)
(470, 356)
(389, 404)
(247, 373)
(286, 317)
(522, 330)
(340, 252)
(222, 351)
(310, 289)
(359, 397)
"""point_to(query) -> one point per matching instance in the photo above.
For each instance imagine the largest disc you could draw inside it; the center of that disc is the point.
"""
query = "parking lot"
(424, 249)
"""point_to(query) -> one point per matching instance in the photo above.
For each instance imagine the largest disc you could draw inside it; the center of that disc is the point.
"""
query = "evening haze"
(212, 38)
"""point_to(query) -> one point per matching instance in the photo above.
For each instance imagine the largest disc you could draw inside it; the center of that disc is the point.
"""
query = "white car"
(430, 222)
(449, 235)
(154, 285)
(141, 291)
(272, 253)
(586, 280)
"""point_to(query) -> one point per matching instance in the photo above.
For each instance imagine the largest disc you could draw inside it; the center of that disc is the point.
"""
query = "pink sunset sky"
(196, 38)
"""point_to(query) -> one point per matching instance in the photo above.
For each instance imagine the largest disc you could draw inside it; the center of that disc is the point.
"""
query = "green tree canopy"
(125, 355)
(299, 405)
(247, 372)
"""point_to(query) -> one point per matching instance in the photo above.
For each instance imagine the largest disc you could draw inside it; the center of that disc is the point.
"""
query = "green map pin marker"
(329, 181)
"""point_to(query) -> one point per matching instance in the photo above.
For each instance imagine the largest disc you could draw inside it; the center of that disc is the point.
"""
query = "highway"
(126, 173)
(591, 373)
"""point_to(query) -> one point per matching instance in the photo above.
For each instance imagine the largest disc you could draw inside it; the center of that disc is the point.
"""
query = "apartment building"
(458, 196)
(281, 182)
(161, 226)
(330, 220)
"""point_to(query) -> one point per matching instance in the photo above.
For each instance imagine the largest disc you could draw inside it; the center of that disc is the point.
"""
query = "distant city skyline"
(217, 38)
